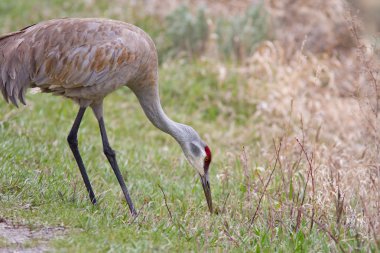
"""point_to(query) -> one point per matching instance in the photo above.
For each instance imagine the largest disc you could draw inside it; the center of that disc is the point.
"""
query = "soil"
(21, 238)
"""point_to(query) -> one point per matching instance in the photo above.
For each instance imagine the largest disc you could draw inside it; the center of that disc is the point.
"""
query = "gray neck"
(150, 102)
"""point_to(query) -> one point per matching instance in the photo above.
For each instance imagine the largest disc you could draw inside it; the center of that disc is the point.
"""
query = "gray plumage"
(82, 59)
(85, 60)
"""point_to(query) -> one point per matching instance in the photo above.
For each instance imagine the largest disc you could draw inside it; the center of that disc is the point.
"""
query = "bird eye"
(196, 151)
(207, 159)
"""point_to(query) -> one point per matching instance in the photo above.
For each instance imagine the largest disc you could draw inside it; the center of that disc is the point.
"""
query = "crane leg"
(73, 142)
(111, 156)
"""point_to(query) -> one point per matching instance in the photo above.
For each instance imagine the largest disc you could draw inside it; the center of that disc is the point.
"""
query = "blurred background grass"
(249, 74)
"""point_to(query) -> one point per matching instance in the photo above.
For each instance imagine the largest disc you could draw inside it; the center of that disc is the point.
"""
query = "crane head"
(199, 156)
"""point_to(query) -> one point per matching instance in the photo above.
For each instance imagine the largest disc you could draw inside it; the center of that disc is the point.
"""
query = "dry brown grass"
(319, 26)
(304, 99)
(329, 100)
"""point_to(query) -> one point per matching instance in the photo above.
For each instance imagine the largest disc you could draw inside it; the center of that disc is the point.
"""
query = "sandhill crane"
(85, 60)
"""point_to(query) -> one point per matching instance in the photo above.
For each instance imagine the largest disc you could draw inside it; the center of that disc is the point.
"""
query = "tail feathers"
(14, 68)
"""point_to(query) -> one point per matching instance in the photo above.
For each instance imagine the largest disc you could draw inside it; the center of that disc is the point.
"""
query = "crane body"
(81, 59)
(85, 59)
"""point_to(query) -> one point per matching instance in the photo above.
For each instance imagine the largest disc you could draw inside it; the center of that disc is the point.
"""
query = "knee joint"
(72, 139)
(108, 151)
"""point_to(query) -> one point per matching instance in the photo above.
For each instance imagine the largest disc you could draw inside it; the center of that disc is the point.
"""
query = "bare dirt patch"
(21, 238)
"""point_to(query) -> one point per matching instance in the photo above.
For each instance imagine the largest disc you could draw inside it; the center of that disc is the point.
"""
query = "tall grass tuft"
(187, 33)
(238, 36)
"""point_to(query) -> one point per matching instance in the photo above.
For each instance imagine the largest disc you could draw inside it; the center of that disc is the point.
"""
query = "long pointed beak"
(207, 190)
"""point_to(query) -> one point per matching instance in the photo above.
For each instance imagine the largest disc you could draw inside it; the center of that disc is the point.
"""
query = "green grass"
(40, 184)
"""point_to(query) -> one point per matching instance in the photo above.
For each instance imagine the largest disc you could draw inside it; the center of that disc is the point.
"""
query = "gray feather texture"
(82, 59)
(85, 59)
